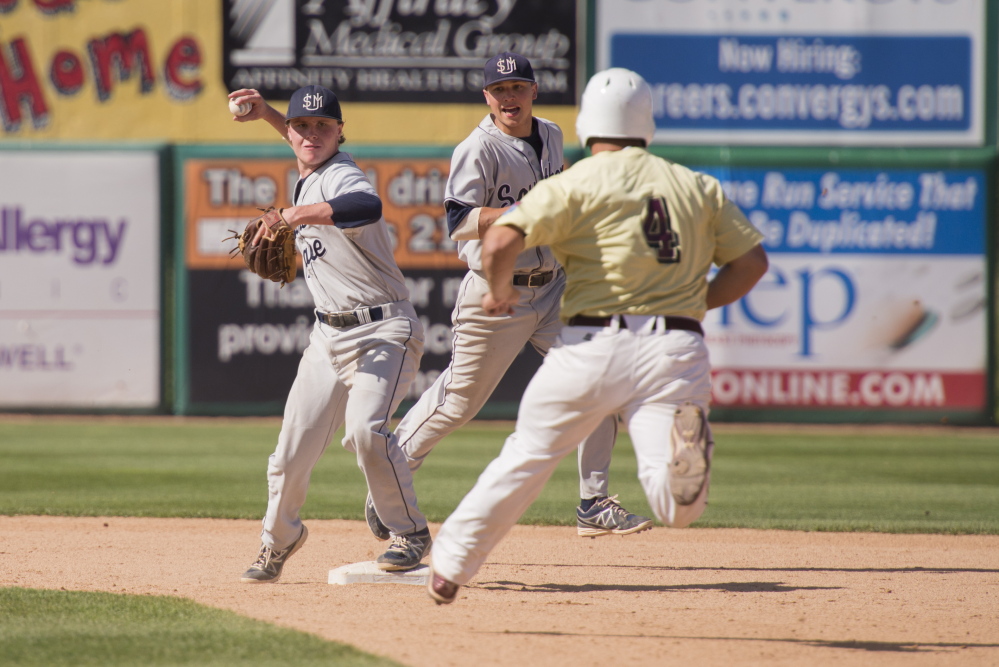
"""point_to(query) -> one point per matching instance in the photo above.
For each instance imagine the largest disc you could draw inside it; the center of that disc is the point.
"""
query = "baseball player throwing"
(637, 235)
(364, 349)
(501, 160)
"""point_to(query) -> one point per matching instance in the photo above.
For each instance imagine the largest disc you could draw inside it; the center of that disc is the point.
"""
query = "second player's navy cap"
(507, 66)
(314, 101)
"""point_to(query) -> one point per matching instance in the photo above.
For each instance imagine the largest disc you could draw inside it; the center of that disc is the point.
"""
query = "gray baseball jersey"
(363, 354)
(490, 168)
(346, 267)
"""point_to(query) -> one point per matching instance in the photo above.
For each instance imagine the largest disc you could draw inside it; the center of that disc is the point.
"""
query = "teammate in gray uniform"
(492, 169)
(364, 350)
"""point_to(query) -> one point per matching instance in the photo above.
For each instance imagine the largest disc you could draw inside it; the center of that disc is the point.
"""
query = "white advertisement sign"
(846, 72)
(79, 279)
(875, 297)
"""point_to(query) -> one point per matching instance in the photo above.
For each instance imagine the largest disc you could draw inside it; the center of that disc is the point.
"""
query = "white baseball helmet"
(617, 104)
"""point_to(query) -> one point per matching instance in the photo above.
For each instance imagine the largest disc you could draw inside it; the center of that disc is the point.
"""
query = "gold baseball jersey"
(636, 234)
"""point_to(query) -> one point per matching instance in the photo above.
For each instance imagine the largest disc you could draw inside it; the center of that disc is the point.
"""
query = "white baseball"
(239, 109)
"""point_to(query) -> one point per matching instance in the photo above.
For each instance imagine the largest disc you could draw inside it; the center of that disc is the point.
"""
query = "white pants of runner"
(483, 347)
(353, 377)
(641, 374)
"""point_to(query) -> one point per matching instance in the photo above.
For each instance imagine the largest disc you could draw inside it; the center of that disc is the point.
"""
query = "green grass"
(941, 482)
(52, 628)
(933, 482)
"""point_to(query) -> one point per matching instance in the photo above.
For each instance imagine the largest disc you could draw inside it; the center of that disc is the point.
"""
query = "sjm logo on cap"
(312, 102)
(506, 66)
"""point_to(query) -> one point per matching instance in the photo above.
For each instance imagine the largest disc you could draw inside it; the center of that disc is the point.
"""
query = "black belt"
(351, 318)
(533, 279)
(684, 323)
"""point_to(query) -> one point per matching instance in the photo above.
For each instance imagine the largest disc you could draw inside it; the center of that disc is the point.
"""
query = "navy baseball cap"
(507, 66)
(314, 101)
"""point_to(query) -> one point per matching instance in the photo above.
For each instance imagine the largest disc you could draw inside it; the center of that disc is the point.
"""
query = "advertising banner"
(876, 293)
(242, 327)
(780, 71)
(110, 69)
(80, 276)
(139, 70)
(412, 51)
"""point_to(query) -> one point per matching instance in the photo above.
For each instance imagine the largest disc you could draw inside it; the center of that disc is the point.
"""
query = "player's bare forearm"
(487, 216)
(734, 280)
(309, 214)
(500, 248)
(474, 225)
(276, 120)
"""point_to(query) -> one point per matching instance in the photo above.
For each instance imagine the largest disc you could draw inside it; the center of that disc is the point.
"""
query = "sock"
(587, 503)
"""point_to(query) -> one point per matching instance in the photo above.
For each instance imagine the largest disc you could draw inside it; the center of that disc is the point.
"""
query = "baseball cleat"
(607, 517)
(406, 551)
(378, 529)
(267, 569)
(689, 468)
(440, 589)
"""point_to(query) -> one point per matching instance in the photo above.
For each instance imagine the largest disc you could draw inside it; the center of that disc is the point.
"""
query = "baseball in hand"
(239, 109)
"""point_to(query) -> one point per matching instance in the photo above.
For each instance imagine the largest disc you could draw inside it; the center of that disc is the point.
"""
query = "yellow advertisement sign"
(109, 69)
(222, 195)
(151, 70)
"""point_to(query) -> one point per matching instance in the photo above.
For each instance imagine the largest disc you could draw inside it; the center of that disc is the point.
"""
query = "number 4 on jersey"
(659, 232)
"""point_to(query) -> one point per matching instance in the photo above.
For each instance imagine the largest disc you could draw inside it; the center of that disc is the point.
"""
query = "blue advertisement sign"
(799, 82)
(804, 72)
(862, 211)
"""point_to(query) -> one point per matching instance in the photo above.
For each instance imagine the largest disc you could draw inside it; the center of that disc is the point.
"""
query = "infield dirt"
(547, 597)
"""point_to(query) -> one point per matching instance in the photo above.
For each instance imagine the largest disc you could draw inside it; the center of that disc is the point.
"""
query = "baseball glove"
(268, 247)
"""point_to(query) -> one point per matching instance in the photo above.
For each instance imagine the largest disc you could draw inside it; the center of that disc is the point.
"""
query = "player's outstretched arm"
(353, 209)
(474, 225)
(500, 248)
(309, 214)
(259, 110)
(734, 280)
(487, 216)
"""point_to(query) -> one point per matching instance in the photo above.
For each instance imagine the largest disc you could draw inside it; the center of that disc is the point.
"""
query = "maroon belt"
(684, 323)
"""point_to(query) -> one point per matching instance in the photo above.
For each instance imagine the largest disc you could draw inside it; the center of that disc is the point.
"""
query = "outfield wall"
(872, 175)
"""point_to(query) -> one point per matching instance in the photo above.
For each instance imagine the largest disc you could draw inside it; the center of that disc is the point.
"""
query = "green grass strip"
(52, 628)
(918, 482)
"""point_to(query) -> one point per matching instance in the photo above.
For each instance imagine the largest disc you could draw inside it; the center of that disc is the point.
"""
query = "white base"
(367, 572)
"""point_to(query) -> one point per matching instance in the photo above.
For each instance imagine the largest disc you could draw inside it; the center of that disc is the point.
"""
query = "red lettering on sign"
(55, 6)
(19, 88)
(830, 388)
(182, 65)
(66, 73)
(117, 57)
